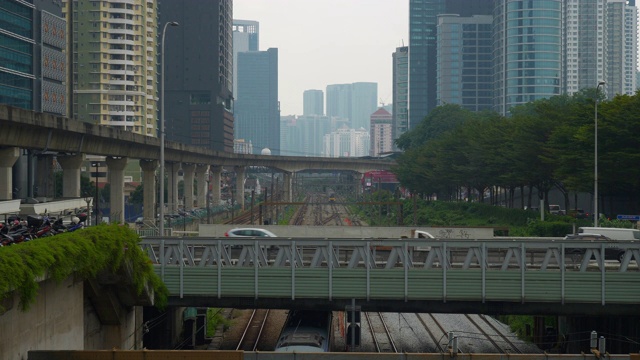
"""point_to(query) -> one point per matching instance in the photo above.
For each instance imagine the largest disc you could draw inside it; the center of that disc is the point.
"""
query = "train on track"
(306, 331)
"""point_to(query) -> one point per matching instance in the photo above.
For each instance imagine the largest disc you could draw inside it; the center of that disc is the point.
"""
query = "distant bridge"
(46, 133)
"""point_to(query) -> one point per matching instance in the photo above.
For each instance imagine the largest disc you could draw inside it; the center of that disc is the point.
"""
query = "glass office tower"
(527, 51)
(423, 22)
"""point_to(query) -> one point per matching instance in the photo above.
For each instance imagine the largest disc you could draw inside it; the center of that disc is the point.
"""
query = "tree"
(137, 195)
(439, 121)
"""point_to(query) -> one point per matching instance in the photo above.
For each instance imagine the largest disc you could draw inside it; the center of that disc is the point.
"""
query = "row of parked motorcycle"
(17, 230)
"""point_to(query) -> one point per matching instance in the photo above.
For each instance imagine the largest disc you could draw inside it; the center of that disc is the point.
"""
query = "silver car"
(249, 232)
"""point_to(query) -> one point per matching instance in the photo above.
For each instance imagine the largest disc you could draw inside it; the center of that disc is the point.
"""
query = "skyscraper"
(257, 110)
(527, 67)
(114, 62)
(622, 45)
(17, 81)
(246, 37)
(364, 102)
(423, 21)
(464, 62)
(199, 74)
(584, 57)
(33, 76)
(339, 100)
(400, 85)
(313, 102)
(355, 102)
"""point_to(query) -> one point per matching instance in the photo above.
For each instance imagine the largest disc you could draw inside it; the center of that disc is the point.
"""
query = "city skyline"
(354, 45)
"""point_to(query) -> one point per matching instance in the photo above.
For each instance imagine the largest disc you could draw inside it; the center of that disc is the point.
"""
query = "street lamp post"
(161, 215)
(596, 212)
(97, 164)
(208, 201)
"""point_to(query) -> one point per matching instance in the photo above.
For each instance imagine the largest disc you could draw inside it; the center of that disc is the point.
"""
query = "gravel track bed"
(270, 333)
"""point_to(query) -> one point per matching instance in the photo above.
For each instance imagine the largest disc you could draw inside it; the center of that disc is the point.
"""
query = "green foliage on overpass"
(83, 253)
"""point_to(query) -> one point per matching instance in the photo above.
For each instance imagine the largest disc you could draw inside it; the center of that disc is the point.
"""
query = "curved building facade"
(528, 51)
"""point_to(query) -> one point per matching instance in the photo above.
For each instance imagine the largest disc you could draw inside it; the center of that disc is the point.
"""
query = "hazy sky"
(323, 42)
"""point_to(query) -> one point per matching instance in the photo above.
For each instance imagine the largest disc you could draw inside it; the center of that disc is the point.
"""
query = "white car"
(249, 232)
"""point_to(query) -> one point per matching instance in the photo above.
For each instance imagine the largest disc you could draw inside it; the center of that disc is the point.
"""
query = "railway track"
(510, 346)
(382, 340)
(433, 333)
(253, 331)
(318, 211)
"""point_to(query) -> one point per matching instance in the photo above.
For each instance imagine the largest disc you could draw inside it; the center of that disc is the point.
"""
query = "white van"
(421, 234)
(612, 233)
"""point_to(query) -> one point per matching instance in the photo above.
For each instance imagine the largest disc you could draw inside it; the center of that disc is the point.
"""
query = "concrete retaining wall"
(63, 318)
(54, 321)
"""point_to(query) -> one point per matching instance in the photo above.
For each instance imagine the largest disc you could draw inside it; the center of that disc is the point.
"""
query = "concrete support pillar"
(288, 188)
(240, 172)
(116, 181)
(201, 179)
(216, 177)
(8, 157)
(149, 185)
(188, 170)
(172, 187)
(71, 175)
(44, 177)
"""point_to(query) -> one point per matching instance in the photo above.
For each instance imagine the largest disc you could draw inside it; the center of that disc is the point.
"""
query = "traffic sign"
(629, 217)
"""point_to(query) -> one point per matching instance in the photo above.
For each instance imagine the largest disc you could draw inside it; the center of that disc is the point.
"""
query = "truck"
(556, 210)
(612, 233)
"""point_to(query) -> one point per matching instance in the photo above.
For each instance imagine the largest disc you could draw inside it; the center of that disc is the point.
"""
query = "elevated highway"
(45, 133)
(506, 276)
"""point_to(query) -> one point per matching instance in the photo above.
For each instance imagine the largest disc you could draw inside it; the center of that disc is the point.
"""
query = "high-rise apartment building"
(527, 52)
(622, 46)
(313, 102)
(423, 21)
(113, 60)
(584, 42)
(246, 37)
(400, 90)
(290, 139)
(380, 136)
(464, 62)
(304, 135)
(345, 142)
(257, 110)
(199, 72)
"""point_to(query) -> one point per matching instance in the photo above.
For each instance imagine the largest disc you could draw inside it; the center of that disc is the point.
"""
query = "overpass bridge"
(45, 136)
(495, 276)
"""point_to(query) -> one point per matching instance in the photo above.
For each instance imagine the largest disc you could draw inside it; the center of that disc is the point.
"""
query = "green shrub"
(548, 228)
(82, 253)
(214, 318)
